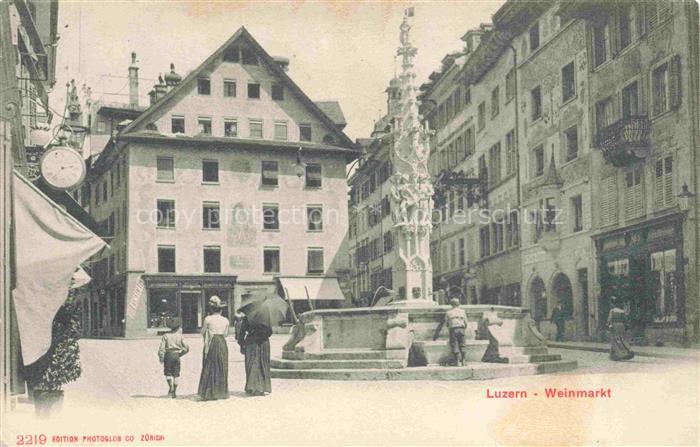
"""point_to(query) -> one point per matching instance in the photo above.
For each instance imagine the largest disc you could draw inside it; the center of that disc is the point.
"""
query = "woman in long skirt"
(213, 383)
(619, 349)
(254, 341)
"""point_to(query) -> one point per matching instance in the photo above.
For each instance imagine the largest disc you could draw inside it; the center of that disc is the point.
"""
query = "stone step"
(472, 371)
(522, 350)
(337, 364)
(337, 355)
(537, 358)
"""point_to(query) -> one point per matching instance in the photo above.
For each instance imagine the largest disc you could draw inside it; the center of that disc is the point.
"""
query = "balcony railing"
(626, 140)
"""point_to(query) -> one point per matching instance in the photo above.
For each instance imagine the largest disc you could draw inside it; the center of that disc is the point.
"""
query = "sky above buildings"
(338, 50)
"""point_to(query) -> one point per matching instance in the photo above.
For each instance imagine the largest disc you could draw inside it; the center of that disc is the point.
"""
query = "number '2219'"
(31, 439)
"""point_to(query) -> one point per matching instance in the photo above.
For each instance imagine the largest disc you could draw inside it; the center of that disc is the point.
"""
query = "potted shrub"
(60, 365)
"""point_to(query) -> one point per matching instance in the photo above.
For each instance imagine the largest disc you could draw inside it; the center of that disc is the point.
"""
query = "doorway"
(190, 311)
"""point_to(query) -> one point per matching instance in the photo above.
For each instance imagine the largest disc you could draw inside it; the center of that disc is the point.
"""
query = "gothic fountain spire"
(412, 188)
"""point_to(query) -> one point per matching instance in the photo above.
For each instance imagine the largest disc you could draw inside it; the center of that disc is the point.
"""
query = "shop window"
(315, 261)
(211, 216)
(663, 267)
(212, 259)
(162, 305)
(271, 217)
(210, 171)
(314, 215)
(166, 259)
(619, 267)
(270, 172)
(271, 260)
(313, 175)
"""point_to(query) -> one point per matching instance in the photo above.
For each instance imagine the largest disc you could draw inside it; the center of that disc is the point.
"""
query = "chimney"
(133, 82)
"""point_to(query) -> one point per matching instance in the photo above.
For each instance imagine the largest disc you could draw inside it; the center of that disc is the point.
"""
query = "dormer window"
(232, 54)
(248, 57)
(204, 86)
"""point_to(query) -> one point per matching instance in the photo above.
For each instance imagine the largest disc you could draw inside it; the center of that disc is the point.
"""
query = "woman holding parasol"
(262, 312)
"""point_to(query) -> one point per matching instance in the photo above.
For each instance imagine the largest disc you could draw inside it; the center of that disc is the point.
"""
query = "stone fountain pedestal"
(396, 343)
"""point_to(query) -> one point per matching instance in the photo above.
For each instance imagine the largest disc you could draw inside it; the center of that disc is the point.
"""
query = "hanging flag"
(408, 12)
(50, 244)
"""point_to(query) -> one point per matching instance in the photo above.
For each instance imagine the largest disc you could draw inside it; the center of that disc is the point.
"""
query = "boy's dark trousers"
(457, 336)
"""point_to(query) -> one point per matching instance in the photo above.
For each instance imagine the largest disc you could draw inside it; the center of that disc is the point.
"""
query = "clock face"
(62, 167)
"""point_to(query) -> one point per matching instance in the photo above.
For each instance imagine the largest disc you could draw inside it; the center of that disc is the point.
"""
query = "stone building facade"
(605, 122)
(233, 180)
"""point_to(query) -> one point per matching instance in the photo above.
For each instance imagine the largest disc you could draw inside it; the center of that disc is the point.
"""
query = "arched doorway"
(561, 286)
(538, 299)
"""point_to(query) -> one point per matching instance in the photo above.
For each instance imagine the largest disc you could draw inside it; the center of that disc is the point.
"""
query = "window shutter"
(674, 81)
(659, 184)
(669, 196)
(609, 200)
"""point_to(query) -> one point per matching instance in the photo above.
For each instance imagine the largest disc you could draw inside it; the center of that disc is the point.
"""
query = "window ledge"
(211, 229)
(314, 231)
(269, 187)
(211, 183)
(313, 188)
(273, 274)
(164, 228)
(568, 101)
(266, 230)
(165, 181)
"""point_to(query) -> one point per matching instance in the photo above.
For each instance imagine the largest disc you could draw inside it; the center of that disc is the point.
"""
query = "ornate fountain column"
(411, 188)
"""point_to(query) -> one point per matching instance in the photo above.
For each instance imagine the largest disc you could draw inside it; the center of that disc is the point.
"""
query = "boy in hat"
(172, 347)
(456, 321)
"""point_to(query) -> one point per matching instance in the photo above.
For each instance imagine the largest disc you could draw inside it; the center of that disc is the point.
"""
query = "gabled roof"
(333, 111)
(242, 35)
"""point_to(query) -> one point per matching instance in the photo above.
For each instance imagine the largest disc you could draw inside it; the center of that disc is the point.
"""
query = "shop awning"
(318, 288)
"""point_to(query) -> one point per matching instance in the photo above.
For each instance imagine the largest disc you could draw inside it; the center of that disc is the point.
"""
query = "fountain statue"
(394, 339)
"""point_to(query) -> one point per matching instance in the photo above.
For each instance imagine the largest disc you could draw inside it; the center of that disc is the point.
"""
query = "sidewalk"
(643, 351)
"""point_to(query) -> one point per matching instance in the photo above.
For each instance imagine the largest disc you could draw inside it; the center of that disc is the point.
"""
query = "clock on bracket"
(62, 167)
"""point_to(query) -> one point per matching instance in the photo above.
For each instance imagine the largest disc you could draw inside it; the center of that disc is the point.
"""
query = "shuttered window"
(657, 13)
(674, 82)
(663, 183)
(634, 193)
(608, 202)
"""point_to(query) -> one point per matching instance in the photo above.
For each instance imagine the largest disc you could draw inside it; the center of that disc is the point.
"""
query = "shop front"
(644, 266)
(185, 297)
